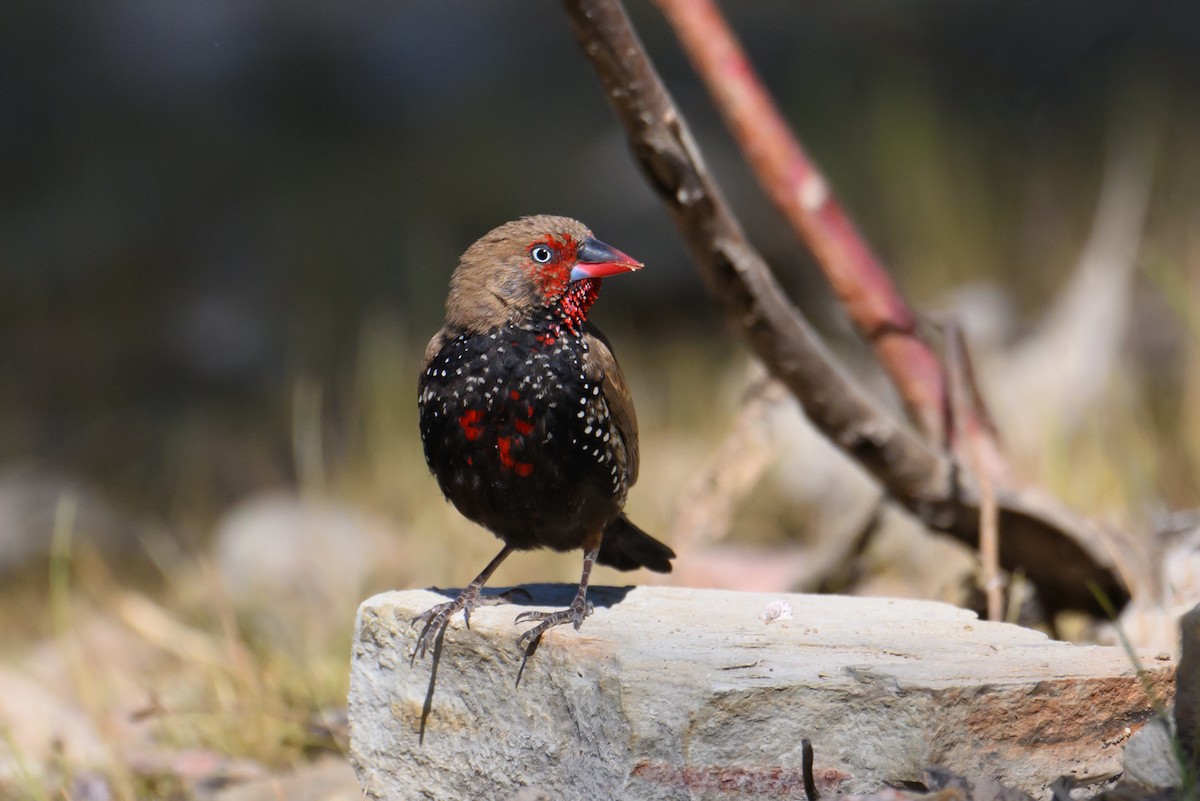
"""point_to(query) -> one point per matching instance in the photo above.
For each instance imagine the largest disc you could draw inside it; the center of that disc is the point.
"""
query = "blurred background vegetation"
(226, 230)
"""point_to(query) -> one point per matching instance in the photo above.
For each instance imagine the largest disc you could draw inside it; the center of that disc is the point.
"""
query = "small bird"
(526, 419)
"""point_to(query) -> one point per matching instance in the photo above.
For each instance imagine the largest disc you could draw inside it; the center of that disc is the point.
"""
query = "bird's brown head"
(522, 268)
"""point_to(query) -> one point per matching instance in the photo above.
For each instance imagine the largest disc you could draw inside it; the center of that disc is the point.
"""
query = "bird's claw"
(574, 614)
(438, 617)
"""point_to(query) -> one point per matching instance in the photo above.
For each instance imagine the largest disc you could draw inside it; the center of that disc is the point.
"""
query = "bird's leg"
(575, 613)
(438, 617)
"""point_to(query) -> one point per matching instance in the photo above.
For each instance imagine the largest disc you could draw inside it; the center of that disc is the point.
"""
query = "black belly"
(520, 440)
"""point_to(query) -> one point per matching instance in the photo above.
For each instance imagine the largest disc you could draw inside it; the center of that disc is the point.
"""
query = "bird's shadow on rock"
(555, 595)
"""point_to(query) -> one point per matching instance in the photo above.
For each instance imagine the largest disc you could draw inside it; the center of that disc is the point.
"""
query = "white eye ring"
(541, 254)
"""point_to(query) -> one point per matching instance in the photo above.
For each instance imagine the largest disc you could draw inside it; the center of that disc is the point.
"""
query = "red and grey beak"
(594, 259)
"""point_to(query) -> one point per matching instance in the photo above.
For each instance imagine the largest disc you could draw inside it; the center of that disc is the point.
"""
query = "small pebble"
(776, 610)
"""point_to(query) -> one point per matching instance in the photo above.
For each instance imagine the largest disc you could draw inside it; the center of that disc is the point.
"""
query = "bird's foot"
(575, 613)
(438, 617)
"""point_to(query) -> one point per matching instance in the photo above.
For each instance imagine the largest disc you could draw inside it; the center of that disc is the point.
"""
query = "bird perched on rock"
(526, 419)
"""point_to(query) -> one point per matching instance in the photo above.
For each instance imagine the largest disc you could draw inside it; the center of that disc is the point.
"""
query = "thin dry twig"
(1061, 554)
(964, 412)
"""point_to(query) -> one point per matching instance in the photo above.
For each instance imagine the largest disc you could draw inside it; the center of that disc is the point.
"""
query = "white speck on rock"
(776, 610)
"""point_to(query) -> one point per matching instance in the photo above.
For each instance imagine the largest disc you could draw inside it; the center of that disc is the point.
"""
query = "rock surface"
(670, 693)
(1150, 756)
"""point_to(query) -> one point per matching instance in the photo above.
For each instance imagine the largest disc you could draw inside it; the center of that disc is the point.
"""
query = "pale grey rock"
(284, 544)
(669, 693)
(1151, 619)
(296, 565)
(1150, 756)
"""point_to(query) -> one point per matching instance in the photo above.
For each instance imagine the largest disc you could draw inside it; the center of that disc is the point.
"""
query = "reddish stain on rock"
(1067, 711)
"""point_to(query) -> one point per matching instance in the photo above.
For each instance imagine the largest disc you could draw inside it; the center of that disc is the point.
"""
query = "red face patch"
(550, 260)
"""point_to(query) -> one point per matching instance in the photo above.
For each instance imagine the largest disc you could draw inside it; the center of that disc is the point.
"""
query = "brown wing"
(602, 366)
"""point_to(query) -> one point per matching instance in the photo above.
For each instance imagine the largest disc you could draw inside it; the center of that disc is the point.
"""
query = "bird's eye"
(541, 254)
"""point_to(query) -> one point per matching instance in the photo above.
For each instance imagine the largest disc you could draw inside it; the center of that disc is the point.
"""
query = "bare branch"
(1060, 554)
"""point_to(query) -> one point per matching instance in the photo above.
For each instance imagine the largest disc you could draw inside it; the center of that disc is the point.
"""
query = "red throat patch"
(577, 302)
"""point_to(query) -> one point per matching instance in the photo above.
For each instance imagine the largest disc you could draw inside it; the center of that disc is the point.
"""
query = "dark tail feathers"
(627, 547)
